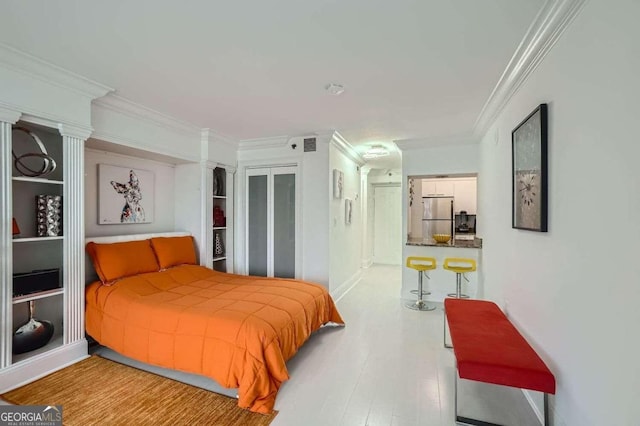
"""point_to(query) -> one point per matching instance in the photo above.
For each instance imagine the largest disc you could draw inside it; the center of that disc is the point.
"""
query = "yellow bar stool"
(422, 265)
(460, 266)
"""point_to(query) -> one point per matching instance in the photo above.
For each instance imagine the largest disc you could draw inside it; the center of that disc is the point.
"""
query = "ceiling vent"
(309, 144)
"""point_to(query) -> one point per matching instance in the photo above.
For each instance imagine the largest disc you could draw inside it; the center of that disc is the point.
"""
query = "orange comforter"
(238, 330)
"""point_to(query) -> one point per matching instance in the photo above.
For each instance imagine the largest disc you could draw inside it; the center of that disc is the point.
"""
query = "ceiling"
(255, 69)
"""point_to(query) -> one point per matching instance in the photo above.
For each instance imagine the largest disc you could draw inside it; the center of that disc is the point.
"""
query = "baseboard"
(32, 369)
(345, 287)
(366, 263)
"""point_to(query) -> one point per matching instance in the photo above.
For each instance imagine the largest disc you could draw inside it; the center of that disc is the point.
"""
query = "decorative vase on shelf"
(218, 182)
(218, 217)
(32, 335)
(219, 247)
(49, 215)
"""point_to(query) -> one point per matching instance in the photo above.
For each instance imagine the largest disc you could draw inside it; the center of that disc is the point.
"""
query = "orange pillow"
(119, 260)
(172, 251)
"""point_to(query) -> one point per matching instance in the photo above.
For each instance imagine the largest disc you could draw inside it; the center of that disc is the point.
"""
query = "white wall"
(164, 175)
(574, 290)
(345, 239)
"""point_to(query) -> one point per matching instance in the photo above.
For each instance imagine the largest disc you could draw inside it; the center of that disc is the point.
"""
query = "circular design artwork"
(20, 161)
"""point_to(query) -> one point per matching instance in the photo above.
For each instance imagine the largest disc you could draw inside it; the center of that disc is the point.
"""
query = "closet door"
(271, 222)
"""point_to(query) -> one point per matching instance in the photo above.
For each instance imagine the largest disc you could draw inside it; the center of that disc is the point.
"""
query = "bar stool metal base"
(424, 293)
(419, 305)
(462, 296)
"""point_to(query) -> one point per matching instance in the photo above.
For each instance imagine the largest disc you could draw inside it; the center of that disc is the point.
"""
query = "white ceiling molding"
(433, 142)
(346, 148)
(9, 115)
(263, 143)
(121, 105)
(552, 20)
(144, 147)
(24, 63)
(212, 136)
(44, 118)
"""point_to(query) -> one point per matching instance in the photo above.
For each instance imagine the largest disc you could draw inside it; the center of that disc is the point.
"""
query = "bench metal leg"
(546, 409)
(444, 331)
(460, 419)
(474, 422)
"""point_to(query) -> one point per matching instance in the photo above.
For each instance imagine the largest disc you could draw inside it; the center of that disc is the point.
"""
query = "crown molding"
(143, 145)
(552, 20)
(9, 115)
(72, 131)
(27, 64)
(263, 143)
(434, 142)
(346, 148)
(208, 135)
(122, 105)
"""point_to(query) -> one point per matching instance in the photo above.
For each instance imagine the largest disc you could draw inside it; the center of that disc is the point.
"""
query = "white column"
(7, 118)
(229, 249)
(73, 228)
(364, 214)
(206, 203)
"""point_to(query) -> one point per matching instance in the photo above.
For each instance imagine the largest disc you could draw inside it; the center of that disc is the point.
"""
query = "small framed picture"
(348, 209)
(338, 183)
(529, 172)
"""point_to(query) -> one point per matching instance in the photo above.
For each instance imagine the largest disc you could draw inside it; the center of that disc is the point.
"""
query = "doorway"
(387, 224)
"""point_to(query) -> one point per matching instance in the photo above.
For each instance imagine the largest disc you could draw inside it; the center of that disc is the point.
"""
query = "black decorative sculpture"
(32, 335)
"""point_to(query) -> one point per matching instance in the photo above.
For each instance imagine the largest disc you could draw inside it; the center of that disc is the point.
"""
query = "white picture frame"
(348, 210)
(126, 195)
(338, 183)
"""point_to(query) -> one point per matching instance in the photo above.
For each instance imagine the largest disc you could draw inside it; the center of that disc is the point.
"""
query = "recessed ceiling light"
(375, 151)
(335, 89)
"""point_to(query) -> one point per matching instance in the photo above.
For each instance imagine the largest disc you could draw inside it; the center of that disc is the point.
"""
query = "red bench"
(489, 349)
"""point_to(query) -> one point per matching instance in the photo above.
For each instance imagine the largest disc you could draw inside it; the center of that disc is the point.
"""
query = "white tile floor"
(386, 367)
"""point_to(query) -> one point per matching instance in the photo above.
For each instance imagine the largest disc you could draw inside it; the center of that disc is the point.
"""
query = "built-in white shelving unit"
(220, 218)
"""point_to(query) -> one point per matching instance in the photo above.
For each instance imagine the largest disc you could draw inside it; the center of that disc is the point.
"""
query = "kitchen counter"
(475, 243)
(441, 281)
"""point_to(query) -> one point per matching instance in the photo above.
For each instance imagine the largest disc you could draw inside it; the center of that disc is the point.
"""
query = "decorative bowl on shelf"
(441, 238)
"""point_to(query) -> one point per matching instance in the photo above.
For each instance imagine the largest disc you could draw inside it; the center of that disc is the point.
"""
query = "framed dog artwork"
(126, 195)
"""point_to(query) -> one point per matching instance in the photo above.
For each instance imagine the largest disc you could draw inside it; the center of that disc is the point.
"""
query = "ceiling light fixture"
(375, 151)
(335, 89)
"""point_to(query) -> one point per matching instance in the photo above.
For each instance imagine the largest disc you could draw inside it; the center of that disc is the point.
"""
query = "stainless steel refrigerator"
(437, 216)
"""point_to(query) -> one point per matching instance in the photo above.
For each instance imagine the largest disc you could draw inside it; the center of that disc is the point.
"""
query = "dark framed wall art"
(529, 172)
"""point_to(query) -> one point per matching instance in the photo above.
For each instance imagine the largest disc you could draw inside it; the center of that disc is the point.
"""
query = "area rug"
(99, 391)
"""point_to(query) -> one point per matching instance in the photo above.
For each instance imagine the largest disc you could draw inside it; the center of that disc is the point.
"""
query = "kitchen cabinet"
(465, 193)
(437, 188)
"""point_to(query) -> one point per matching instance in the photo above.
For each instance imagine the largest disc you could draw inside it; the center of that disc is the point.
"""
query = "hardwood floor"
(386, 367)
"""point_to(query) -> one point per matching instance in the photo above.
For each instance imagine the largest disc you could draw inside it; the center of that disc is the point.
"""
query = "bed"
(238, 330)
